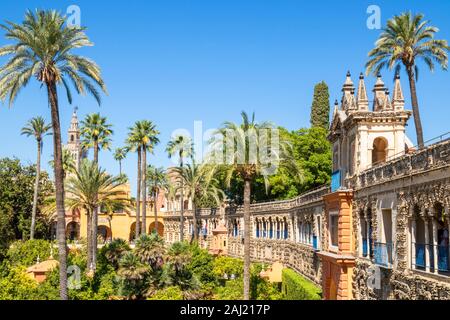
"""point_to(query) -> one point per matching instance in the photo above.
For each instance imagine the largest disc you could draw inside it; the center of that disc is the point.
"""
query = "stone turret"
(362, 101)
(398, 100)
(348, 97)
(379, 92)
(363, 138)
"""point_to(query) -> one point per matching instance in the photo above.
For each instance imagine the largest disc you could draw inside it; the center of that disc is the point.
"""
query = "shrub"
(295, 287)
(169, 293)
(226, 265)
(25, 253)
(202, 265)
(18, 286)
(233, 290)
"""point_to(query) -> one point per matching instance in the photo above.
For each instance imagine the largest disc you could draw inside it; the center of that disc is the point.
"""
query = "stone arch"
(132, 235)
(380, 150)
(104, 232)
(73, 230)
(160, 230)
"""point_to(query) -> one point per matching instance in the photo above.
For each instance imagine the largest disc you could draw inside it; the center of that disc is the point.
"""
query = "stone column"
(435, 245)
(366, 221)
(427, 242)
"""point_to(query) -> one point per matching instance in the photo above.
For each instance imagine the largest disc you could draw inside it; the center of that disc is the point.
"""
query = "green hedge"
(295, 287)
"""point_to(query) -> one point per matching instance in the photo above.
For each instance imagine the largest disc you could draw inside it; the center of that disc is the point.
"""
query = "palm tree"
(133, 271)
(178, 257)
(133, 144)
(95, 133)
(157, 181)
(42, 48)
(247, 160)
(148, 137)
(115, 250)
(406, 39)
(181, 146)
(150, 249)
(68, 163)
(199, 184)
(119, 155)
(38, 128)
(91, 187)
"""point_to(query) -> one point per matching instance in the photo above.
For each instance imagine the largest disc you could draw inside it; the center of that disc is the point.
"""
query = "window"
(379, 151)
(333, 228)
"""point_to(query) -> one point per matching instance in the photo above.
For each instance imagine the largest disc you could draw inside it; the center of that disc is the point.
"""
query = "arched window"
(379, 151)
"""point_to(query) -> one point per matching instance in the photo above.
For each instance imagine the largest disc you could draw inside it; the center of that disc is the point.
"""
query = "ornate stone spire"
(348, 97)
(387, 101)
(74, 121)
(361, 99)
(398, 100)
(379, 91)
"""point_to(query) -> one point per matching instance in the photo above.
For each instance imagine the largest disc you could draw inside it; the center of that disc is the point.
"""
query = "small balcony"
(383, 254)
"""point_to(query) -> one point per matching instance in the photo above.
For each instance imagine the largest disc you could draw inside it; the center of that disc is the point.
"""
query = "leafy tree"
(202, 265)
(42, 48)
(320, 109)
(407, 39)
(26, 253)
(38, 128)
(224, 265)
(16, 202)
(17, 285)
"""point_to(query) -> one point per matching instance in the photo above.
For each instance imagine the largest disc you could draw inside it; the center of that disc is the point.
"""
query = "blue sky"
(176, 62)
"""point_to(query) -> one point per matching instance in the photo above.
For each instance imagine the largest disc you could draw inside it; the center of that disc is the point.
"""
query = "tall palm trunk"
(120, 167)
(182, 203)
(415, 107)
(89, 239)
(194, 222)
(94, 229)
(144, 189)
(155, 199)
(59, 190)
(247, 233)
(36, 189)
(138, 197)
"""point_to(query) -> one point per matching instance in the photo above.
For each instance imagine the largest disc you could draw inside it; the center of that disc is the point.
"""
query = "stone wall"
(414, 186)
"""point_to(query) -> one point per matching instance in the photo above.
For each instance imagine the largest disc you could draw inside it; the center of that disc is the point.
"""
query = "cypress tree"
(320, 109)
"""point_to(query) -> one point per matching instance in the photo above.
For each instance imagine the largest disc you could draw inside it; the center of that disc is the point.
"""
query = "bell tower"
(73, 142)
